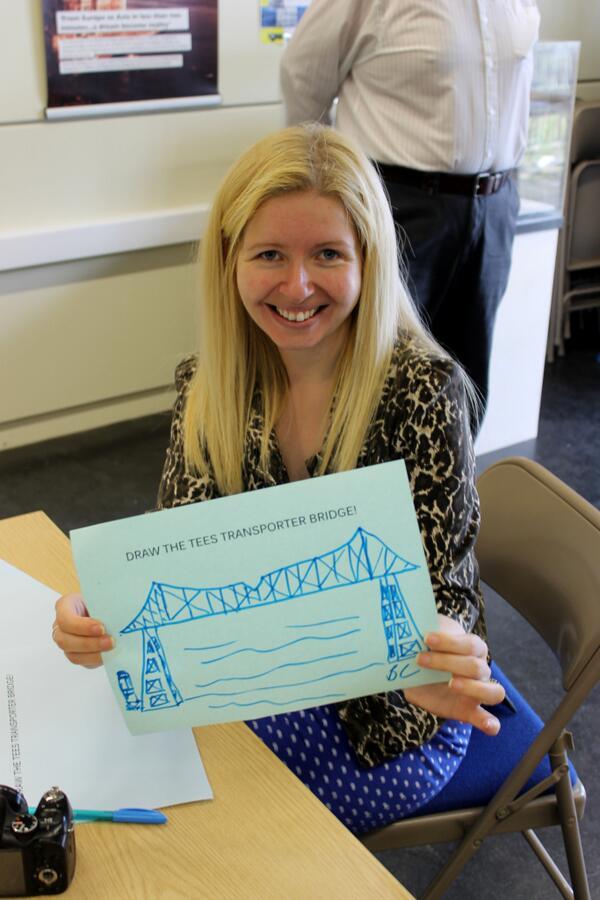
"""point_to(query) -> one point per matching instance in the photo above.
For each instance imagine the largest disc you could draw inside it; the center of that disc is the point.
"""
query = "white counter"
(519, 346)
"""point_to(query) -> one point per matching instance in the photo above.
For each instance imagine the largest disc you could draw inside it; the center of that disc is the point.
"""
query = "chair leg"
(500, 803)
(568, 324)
(561, 333)
(569, 822)
(436, 888)
(548, 863)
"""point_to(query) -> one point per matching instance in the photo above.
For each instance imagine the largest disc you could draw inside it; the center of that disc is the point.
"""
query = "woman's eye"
(329, 255)
(269, 255)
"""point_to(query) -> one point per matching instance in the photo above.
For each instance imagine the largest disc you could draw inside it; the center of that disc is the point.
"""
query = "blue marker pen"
(127, 814)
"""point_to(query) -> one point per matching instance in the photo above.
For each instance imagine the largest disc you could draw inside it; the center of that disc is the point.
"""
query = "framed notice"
(278, 19)
(105, 57)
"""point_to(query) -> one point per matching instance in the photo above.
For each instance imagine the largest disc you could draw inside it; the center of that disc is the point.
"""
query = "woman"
(312, 360)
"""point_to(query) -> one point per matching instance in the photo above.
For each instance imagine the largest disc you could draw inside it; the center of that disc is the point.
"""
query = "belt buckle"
(488, 183)
(481, 187)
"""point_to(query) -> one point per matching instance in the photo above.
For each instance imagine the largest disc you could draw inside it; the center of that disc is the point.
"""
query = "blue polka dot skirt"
(313, 744)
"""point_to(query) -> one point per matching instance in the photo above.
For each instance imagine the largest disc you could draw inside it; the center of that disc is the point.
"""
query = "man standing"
(436, 92)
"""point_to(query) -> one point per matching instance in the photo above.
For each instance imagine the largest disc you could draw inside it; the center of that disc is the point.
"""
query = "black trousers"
(457, 250)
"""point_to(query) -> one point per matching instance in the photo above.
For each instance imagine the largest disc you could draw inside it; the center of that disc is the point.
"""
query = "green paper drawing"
(342, 615)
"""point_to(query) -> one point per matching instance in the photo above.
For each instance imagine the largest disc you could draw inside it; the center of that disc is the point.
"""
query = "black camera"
(37, 851)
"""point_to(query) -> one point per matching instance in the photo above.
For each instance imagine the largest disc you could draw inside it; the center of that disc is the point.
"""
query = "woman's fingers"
(72, 617)
(466, 710)
(455, 651)
(73, 644)
(485, 721)
(80, 637)
(487, 692)
(88, 660)
(444, 701)
(464, 657)
(459, 641)
(472, 696)
(468, 666)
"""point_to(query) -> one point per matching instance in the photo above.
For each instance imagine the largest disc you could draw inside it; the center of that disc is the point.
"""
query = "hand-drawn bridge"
(364, 557)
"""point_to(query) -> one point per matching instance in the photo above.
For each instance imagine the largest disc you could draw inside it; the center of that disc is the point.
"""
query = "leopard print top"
(422, 419)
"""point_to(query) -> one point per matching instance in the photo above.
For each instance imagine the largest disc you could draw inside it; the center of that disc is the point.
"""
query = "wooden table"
(263, 836)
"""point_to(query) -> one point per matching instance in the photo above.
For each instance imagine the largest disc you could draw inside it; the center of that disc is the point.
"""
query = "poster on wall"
(278, 19)
(107, 57)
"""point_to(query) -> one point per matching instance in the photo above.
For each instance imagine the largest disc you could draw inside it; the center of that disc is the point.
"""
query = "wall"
(97, 223)
(98, 217)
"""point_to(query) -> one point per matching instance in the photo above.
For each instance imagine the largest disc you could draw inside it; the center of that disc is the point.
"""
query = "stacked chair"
(539, 549)
(577, 277)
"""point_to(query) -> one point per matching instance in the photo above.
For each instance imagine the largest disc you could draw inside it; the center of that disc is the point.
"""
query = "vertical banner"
(105, 57)
(278, 19)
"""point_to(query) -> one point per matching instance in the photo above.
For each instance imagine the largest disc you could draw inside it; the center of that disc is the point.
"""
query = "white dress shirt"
(435, 85)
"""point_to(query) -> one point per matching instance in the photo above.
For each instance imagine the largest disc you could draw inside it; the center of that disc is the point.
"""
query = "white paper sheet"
(60, 725)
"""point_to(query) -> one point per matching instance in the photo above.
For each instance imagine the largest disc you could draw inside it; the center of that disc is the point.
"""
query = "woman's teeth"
(297, 317)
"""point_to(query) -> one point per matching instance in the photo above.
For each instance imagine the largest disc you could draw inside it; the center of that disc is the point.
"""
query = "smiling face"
(299, 272)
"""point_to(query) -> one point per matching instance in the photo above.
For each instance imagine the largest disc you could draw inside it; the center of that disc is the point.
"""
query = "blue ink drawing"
(363, 558)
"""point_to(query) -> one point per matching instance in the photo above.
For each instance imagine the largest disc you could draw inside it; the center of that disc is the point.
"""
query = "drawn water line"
(325, 622)
(212, 646)
(278, 687)
(320, 698)
(310, 637)
(305, 662)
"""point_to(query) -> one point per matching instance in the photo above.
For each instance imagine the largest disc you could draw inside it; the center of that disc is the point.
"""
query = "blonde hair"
(236, 358)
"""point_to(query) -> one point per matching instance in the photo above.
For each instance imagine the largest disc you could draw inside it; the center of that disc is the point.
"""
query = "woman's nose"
(297, 284)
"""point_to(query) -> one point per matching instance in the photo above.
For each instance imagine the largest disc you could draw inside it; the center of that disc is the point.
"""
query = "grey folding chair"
(577, 276)
(585, 142)
(581, 285)
(539, 548)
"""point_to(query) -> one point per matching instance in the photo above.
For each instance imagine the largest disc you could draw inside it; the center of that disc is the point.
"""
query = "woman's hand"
(80, 637)
(465, 657)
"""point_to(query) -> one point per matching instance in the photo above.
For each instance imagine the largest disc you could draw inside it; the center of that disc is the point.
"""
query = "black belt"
(481, 185)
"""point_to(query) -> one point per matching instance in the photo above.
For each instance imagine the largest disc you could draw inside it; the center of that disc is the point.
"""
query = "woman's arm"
(426, 423)
(440, 462)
